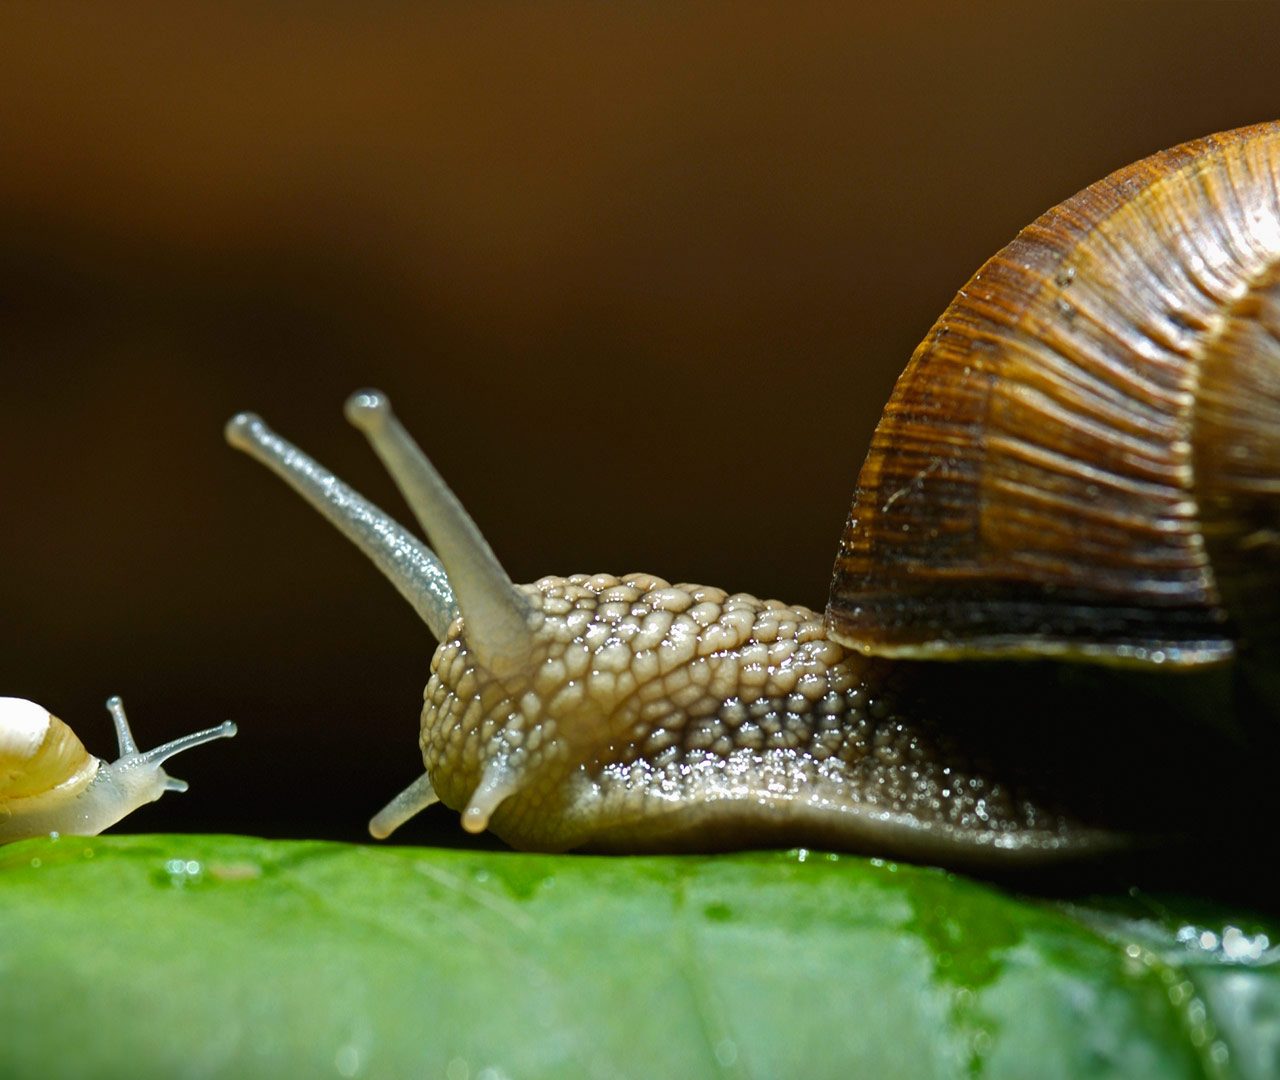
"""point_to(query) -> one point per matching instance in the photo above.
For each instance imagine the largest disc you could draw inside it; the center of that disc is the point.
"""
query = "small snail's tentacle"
(124, 737)
(131, 756)
(497, 613)
(149, 761)
(160, 754)
(412, 800)
(403, 559)
(137, 777)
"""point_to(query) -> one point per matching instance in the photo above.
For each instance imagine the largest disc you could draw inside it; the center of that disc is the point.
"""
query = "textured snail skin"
(658, 717)
(1044, 483)
(637, 715)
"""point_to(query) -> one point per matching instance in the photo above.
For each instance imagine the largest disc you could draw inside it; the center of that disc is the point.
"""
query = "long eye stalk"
(130, 755)
(465, 579)
(403, 559)
(497, 613)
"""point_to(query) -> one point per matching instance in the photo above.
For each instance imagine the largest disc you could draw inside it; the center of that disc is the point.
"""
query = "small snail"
(1079, 463)
(50, 783)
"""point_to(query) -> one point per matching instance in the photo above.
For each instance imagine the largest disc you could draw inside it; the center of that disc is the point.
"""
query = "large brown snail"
(1079, 463)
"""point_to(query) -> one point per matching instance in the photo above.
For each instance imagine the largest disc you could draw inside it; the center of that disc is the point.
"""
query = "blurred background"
(638, 278)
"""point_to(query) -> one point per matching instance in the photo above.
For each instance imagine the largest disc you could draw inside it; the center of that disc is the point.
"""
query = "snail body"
(49, 783)
(1085, 428)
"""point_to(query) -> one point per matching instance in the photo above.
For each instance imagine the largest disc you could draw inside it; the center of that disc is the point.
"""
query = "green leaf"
(163, 956)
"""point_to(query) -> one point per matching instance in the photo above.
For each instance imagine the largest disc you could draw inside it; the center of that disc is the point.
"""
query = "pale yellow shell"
(39, 753)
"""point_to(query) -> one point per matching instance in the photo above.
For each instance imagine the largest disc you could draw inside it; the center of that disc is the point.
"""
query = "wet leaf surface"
(165, 956)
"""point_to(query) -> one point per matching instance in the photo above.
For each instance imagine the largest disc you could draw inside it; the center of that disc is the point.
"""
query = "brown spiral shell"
(1082, 458)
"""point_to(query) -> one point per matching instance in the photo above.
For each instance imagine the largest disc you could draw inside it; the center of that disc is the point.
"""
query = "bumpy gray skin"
(665, 717)
(627, 714)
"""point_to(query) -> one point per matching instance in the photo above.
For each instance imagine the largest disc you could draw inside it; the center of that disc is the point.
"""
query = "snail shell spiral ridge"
(1040, 480)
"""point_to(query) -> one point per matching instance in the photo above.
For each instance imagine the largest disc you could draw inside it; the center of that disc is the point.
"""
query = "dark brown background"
(639, 278)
